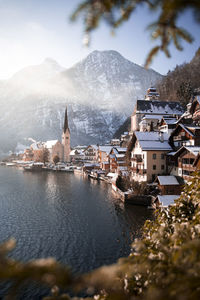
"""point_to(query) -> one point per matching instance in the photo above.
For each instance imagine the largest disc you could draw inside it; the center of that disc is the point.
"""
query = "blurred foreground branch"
(115, 12)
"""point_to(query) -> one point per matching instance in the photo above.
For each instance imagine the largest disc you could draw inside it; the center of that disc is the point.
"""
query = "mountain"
(100, 92)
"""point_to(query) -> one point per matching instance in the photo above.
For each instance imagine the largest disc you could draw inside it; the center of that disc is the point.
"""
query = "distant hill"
(179, 84)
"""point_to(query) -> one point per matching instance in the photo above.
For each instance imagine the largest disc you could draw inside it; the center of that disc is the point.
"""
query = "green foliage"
(164, 264)
(116, 12)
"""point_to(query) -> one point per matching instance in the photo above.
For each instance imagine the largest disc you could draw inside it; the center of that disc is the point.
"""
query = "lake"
(78, 221)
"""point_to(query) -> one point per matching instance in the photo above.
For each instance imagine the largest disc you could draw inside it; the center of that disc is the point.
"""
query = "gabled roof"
(159, 107)
(153, 141)
(155, 145)
(150, 136)
(192, 149)
(95, 147)
(156, 117)
(167, 200)
(167, 180)
(106, 149)
(184, 127)
(120, 149)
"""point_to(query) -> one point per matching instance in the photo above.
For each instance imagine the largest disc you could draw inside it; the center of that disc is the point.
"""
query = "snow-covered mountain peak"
(100, 92)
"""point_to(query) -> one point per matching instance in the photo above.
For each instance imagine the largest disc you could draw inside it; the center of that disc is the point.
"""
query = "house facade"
(148, 155)
(151, 106)
(184, 160)
(91, 153)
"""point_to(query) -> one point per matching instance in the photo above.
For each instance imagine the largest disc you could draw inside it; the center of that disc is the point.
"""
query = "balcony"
(139, 171)
(137, 158)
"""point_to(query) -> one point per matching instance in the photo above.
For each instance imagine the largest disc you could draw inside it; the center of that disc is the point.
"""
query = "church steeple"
(66, 139)
(66, 122)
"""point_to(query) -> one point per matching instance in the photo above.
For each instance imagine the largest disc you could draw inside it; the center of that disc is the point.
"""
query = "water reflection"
(78, 221)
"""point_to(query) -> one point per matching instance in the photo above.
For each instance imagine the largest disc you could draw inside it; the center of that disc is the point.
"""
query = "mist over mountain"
(100, 92)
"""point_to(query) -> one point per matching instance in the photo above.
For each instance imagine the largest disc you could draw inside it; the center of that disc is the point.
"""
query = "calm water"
(78, 221)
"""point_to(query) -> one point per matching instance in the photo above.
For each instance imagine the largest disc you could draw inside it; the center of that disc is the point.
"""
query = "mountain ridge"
(100, 92)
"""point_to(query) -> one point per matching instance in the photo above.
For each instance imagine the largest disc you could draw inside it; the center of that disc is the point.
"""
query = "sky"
(32, 30)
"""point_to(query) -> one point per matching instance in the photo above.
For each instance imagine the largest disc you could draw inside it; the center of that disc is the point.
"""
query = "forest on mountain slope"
(180, 84)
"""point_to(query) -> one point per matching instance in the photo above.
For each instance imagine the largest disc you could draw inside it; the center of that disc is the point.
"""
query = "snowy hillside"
(100, 92)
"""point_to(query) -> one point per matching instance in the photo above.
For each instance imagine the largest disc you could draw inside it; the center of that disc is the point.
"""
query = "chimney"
(161, 136)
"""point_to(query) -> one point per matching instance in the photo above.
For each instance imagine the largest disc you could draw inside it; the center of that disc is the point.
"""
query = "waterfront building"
(117, 160)
(66, 139)
(91, 153)
(37, 149)
(55, 148)
(77, 155)
(148, 155)
(103, 153)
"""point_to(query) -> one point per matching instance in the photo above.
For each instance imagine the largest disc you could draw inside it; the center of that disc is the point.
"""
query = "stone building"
(55, 148)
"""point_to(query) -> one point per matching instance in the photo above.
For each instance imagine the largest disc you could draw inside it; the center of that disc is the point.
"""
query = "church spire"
(66, 121)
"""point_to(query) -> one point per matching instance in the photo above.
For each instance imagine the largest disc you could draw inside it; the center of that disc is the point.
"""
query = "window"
(162, 156)
(162, 167)
(154, 167)
(154, 155)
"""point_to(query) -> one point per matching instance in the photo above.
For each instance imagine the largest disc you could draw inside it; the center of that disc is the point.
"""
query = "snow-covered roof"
(167, 200)
(193, 149)
(159, 107)
(76, 152)
(170, 121)
(168, 180)
(153, 140)
(120, 155)
(151, 136)
(154, 117)
(37, 145)
(155, 145)
(120, 149)
(50, 144)
(171, 153)
(94, 146)
(106, 149)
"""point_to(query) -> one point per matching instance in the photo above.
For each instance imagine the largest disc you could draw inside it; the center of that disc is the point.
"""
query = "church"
(66, 139)
(60, 149)
(55, 148)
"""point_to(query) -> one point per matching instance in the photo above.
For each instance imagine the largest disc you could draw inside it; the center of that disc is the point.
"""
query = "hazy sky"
(31, 30)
